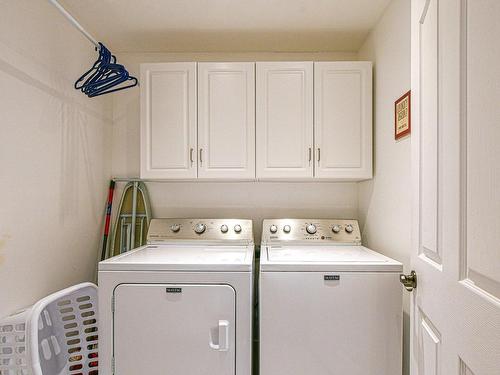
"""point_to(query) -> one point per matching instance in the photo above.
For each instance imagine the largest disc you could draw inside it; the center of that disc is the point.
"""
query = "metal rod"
(122, 180)
(75, 23)
(134, 214)
(166, 181)
(142, 229)
(127, 216)
(127, 179)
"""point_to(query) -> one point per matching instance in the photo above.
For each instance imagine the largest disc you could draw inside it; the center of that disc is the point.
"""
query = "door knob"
(409, 281)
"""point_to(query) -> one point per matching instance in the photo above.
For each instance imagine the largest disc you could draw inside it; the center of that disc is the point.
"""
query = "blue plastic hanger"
(105, 76)
(88, 75)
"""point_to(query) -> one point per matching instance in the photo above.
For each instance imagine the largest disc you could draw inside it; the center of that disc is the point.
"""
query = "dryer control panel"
(336, 231)
(200, 229)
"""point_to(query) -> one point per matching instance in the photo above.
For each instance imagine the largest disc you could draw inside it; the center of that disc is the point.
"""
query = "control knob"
(349, 228)
(311, 229)
(336, 228)
(175, 228)
(287, 228)
(237, 228)
(273, 228)
(200, 228)
(224, 228)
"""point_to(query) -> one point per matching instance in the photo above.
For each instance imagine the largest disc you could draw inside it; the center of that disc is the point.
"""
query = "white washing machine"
(327, 304)
(182, 304)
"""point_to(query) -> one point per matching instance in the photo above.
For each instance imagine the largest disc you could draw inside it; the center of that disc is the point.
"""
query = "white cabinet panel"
(226, 120)
(168, 120)
(284, 99)
(174, 329)
(343, 120)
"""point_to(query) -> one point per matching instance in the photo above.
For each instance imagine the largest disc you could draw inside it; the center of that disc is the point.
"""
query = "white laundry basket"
(55, 336)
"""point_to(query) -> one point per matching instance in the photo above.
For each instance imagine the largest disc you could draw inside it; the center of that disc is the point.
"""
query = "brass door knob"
(409, 281)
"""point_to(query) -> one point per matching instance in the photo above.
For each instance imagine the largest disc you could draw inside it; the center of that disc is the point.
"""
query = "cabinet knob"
(319, 154)
(201, 156)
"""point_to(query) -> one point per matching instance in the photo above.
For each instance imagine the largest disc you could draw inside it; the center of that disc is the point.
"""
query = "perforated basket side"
(13, 356)
(79, 314)
(64, 338)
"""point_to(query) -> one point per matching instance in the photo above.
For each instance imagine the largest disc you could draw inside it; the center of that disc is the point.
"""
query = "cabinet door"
(226, 120)
(343, 120)
(284, 119)
(168, 121)
(163, 329)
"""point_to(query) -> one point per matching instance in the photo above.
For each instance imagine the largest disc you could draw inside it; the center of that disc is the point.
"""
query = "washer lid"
(327, 258)
(182, 257)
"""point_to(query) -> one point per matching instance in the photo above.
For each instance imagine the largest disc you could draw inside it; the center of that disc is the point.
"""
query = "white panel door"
(455, 312)
(226, 120)
(174, 329)
(343, 120)
(284, 102)
(168, 121)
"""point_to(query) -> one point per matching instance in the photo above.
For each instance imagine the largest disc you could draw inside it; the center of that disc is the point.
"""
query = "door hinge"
(113, 365)
(113, 304)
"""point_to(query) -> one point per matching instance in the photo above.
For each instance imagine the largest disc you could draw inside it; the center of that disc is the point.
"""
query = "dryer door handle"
(223, 345)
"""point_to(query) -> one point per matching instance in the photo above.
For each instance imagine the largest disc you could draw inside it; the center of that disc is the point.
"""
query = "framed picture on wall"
(402, 116)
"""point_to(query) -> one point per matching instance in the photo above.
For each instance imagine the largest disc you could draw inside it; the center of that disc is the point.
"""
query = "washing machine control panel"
(161, 230)
(337, 231)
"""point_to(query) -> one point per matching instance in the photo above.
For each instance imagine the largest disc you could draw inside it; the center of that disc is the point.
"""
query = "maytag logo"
(332, 277)
(174, 290)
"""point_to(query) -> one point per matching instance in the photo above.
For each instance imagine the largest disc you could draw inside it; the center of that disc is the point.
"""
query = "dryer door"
(174, 329)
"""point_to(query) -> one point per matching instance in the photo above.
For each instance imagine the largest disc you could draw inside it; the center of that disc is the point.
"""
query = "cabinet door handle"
(319, 154)
(310, 155)
(191, 156)
(201, 156)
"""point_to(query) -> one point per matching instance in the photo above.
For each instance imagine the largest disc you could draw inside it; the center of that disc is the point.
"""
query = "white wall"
(384, 201)
(54, 155)
(253, 200)
(56, 148)
(217, 199)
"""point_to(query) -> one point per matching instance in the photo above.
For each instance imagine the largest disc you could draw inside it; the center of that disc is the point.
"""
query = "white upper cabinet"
(264, 120)
(168, 121)
(284, 114)
(226, 120)
(343, 120)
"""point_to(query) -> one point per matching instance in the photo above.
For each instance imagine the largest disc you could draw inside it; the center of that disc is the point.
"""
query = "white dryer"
(327, 304)
(182, 304)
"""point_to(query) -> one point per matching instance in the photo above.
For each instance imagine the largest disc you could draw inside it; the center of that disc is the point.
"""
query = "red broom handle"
(108, 219)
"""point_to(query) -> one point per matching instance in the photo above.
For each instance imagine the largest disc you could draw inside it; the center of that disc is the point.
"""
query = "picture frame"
(402, 116)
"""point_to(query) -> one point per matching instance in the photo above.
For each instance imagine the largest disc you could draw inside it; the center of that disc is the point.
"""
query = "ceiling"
(228, 25)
